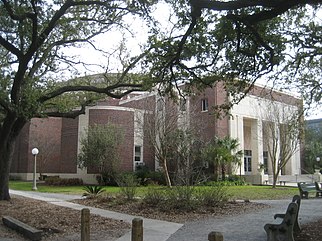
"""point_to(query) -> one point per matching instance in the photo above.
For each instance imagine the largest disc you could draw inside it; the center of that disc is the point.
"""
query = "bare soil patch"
(310, 231)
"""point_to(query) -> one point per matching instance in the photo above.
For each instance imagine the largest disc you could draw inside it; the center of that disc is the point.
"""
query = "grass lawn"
(262, 192)
(236, 192)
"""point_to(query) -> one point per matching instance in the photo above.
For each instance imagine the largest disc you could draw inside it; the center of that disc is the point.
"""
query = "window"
(138, 154)
(247, 161)
(204, 105)
(265, 161)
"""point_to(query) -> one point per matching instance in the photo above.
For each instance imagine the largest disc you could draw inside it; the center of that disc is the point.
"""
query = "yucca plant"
(93, 191)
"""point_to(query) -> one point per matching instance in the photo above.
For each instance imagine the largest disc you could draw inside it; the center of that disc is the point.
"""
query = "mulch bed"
(56, 222)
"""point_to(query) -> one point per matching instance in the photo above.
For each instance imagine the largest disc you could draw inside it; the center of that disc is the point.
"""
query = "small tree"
(100, 149)
(160, 126)
(222, 152)
(312, 147)
(173, 137)
(186, 158)
(283, 131)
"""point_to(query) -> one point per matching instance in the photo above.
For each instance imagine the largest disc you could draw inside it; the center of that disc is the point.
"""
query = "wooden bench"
(284, 230)
(306, 188)
(296, 199)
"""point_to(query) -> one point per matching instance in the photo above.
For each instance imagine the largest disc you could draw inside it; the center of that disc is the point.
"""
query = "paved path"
(245, 227)
(154, 230)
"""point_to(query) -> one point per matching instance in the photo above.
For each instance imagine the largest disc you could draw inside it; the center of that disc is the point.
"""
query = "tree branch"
(11, 48)
(107, 90)
(5, 105)
(273, 9)
(72, 114)
(14, 16)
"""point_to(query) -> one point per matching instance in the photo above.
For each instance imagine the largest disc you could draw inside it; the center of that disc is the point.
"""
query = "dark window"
(137, 153)
(265, 161)
(247, 161)
(204, 105)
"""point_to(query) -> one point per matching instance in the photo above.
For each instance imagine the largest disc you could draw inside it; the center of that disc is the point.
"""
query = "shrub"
(106, 179)
(180, 198)
(213, 196)
(143, 175)
(146, 177)
(93, 191)
(128, 184)
(233, 180)
(186, 198)
(154, 196)
(57, 181)
(157, 177)
(237, 180)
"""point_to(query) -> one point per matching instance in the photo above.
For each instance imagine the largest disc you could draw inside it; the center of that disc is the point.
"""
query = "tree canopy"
(241, 41)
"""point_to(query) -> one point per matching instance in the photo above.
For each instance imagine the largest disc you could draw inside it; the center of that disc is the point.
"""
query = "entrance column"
(257, 148)
(237, 132)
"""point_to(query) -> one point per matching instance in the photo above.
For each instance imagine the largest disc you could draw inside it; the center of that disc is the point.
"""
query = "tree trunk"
(223, 172)
(9, 131)
(6, 152)
(166, 173)
(275, 176)
(216, 175)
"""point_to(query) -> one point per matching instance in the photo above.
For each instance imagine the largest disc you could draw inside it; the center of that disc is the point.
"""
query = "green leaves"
(93, 191)
(100, 148)
(223, 151)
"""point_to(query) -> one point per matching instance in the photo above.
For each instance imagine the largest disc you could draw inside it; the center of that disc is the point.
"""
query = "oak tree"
(33, 41)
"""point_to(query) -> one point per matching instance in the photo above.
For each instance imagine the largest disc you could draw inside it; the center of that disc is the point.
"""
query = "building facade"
(58, 139)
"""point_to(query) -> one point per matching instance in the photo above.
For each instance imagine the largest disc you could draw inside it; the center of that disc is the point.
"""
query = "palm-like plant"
(93, 191)
(223, 152)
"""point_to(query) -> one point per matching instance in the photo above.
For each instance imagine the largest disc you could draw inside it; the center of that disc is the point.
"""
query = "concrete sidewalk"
(154, 230)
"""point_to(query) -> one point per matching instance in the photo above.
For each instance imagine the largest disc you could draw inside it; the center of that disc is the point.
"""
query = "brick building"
(58, 139)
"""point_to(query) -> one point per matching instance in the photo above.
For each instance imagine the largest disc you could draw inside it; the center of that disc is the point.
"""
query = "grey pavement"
(244, 227)
(248, 226)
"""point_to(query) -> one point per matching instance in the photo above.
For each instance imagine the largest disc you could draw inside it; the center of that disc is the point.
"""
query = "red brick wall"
(69, 141)
(45, 134)
(222, 124)
(203, 121)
